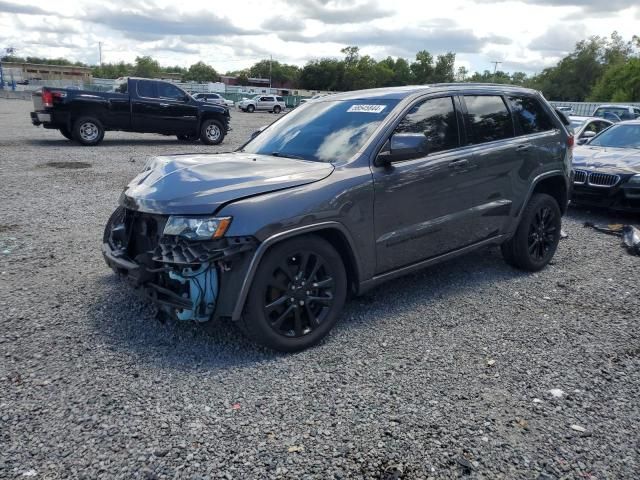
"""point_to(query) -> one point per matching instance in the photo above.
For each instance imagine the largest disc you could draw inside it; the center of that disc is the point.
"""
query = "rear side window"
(487, 119)
(530, 115)
(280, 99)
(146, 89)
(436, 119)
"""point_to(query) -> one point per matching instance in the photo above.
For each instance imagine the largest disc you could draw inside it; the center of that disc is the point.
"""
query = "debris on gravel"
(94, 386)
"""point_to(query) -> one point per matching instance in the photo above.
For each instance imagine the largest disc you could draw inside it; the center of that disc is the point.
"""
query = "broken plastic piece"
(631, 239)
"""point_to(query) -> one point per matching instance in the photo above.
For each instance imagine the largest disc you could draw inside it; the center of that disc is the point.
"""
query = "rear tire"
(296, 295)
(87, 131)
(66, 133)
(277, 109)
(537, 237)
(211, 132)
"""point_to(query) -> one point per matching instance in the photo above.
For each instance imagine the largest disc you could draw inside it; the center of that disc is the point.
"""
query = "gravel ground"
(467, 369)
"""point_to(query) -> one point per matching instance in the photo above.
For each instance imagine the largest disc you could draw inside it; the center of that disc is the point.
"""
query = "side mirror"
(186, 98)
(257, 132)
(585, 137)
(402, 146)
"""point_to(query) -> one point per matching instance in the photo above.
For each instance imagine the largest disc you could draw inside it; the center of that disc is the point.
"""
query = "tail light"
(47, 99)
(570, 141)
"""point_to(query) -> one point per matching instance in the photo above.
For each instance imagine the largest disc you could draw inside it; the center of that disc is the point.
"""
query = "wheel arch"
(553, 183)
(333, 232)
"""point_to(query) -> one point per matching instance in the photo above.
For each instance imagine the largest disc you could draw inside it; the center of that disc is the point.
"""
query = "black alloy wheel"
(300, 294)
(542, 233)
(296, 296)
(535, 242)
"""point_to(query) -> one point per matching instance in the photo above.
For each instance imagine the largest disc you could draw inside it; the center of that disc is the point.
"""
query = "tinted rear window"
(146, 89)
(280, 99)
(487, 119)
(530, 115)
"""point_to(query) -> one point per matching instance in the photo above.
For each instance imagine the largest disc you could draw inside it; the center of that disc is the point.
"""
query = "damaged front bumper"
(190, 280)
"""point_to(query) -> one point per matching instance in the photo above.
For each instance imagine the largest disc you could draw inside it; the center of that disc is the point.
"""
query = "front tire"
(250, 108)
(537, 237)
(211, 132)
(296, 296)
(87, 131)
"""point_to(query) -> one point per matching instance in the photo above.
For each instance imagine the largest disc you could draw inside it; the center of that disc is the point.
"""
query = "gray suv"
(340, 195)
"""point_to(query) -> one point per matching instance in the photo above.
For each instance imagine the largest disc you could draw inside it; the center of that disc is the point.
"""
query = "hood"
(607, 159)
(202, 183)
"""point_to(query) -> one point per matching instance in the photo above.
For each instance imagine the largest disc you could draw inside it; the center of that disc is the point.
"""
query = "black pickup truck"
(135, 105)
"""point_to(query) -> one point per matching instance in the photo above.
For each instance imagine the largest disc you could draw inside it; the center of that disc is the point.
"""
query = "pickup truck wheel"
(211, 132)
(250, 108)
(277, 109)
(66, 133)
(537, 237)
(297, 295)
(88, 131)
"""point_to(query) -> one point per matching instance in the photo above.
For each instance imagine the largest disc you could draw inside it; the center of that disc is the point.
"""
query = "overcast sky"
(525, 35)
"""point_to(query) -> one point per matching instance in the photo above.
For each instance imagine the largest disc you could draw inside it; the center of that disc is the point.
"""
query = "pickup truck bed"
(139, 105)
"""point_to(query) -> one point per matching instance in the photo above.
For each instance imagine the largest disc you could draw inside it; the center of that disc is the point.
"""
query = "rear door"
(145, 107)
(495, 156)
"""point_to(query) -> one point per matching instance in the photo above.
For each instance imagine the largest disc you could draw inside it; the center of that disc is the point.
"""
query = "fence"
(586, 108)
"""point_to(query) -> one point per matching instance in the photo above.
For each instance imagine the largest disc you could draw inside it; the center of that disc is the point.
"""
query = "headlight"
(197, 228)
(635, 180)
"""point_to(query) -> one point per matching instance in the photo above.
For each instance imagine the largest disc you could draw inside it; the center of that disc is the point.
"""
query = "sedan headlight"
(197, 228)
(635, 180)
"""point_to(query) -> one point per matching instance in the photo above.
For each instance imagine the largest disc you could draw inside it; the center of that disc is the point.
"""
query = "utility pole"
(495, 68)
(270, 62)
(100, 52)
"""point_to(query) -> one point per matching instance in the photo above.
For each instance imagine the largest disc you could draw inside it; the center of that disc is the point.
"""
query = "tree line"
(598, 69)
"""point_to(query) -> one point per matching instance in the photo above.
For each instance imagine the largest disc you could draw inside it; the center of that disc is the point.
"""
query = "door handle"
(463, 162)
(523, 148)
(164, 104)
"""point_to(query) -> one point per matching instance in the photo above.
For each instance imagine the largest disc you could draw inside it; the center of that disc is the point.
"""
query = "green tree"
(422, 68)
(146, 67)
(620, 83)
(200, 72)
(443, 70)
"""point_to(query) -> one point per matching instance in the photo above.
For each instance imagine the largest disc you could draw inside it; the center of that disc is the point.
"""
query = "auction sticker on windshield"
(366, 108)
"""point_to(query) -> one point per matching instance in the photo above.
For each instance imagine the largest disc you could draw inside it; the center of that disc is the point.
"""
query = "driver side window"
(168, 91)
(436, 120)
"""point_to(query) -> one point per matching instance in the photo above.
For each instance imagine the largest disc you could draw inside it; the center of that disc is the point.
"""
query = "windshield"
(619, 136)
(329, 131)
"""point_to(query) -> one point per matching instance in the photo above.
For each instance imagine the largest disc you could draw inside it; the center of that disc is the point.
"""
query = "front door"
(418, 202)
(177, 114)
(265, 103)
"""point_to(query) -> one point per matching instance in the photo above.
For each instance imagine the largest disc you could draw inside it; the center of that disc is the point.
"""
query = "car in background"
(215, 98)
(567, 110)
(607, 169)
(585, 128)
(269, 103)
(622, 112)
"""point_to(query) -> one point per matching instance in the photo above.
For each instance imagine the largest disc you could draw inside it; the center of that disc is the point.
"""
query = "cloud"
(144, 22)
(336, 12)
(278, 24)
(606, 6)
(558, 39)
(8, 7)
(407, 41)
